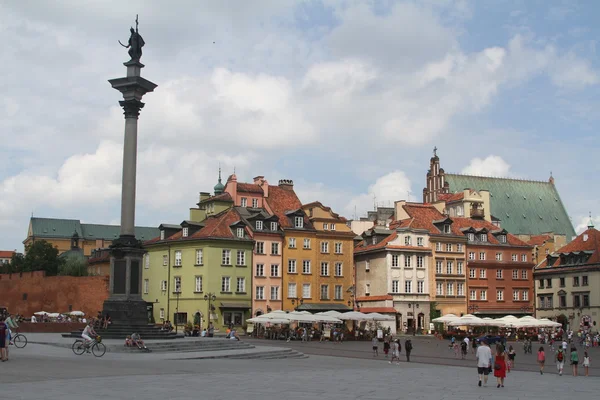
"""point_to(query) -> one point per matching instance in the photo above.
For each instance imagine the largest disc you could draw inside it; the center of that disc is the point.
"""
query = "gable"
(523, 207)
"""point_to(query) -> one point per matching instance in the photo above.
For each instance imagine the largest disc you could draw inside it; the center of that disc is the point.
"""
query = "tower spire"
(591, 222)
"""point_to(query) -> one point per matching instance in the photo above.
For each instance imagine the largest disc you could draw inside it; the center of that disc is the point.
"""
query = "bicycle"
(19, 340)
(98, 348)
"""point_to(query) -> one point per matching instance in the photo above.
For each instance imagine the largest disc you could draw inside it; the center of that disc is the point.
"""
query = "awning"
(238, 305)
(381, 310)
(323, 307)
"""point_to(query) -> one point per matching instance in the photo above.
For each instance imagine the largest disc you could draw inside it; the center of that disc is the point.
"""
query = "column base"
(126, 312)
(125, 242)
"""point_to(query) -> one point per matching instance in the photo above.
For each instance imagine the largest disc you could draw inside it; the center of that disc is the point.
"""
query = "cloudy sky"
(347, 98)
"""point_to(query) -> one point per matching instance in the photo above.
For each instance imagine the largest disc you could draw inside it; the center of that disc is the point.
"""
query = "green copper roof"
(64, 228)
(523, 207)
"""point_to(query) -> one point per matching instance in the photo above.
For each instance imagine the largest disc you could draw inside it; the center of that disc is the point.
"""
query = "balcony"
(477, 213)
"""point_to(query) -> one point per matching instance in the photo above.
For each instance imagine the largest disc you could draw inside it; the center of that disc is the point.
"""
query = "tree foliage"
(39, 256)
(73, 267)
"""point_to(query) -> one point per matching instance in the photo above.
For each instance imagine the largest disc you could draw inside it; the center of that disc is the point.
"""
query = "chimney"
(399, 212)
(204, 195)
(286, 184)
(258, 180)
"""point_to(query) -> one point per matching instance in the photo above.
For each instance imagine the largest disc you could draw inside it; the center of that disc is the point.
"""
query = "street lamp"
(177, 310)
(525, 309)
(414, 305)
(210, 297)
(297, 300)
(473, 308)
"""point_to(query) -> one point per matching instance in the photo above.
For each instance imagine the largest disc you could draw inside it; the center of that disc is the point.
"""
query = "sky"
(346, 98)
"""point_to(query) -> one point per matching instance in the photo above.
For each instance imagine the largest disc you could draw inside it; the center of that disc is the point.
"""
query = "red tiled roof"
(578, 244)
(326, 208)
(221, 197)
(538, 240)
(451, 197)
(249, 188)
(281, 201)
(387, 310)
(360, 248)
(6, 253)
(462, 223)
(375, 298)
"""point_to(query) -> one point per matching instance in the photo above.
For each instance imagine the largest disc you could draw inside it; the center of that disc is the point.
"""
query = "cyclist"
(87, 335)
(12, 326)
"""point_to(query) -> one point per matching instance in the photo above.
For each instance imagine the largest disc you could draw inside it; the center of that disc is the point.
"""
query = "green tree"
(41, 256)
(73, 267)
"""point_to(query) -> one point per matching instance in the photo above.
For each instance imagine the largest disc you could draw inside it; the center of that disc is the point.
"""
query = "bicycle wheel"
(20, 341)
(78, 347)
(99, 349)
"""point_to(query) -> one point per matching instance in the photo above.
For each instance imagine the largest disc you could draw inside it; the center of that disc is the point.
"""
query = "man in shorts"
(484, 359)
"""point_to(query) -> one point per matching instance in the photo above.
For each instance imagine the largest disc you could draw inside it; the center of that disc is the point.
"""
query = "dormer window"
(244, 202)
(240, 232)
(299, 222)
(259, 225)
(273, 226)
(502, 238)
(185, 232)
(254, 203)
(483, 237)
(332, 227)
(162, 235)
(325, 226)
(471, 237)
(374, 239)
(407, 241)
(446, 228)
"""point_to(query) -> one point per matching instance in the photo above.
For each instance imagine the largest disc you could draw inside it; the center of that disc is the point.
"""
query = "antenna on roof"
(374, 203)
(355, 215)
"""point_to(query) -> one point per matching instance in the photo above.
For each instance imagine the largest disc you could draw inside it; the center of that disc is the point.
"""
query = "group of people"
(8, 325)
(561, 356)
(393, 345)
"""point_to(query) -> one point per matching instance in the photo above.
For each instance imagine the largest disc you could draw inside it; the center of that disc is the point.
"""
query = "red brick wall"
(52, 293)
(50, 327)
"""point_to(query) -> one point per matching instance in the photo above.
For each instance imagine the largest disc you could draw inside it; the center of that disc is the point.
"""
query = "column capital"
(131, 108)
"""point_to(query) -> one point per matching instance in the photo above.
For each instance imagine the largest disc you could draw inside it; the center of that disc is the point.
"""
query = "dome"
(219, 187)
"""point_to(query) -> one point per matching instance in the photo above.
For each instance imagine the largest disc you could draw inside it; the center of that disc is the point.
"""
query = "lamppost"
(210, 297)
(525, 309)
(297, 300)
(473, 308)
(414, 305)
(177, 310)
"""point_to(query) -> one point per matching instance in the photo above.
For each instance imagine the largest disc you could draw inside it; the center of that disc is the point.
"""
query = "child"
(541, 358)
(586, 362)
(128, 341)
(375, 343)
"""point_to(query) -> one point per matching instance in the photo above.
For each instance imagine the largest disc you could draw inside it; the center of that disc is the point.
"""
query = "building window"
(291, 290)
(240, 232)
(472, 273)
(438, 246)
(274, 270)
(241, 285)
(483, 295)
(395, 286)
(471, 237)
(562, 282)
(459, 247)
(439, 289)
(163, 286)
(524, 257)
(446, 228)
(472, 294)
(502, 239)
(514, 257)
(408, 286)
(420, 287)
(541, 285)
(407, 261)
(575, 281)
(459, 267)
(374, 239)
(337, 292)
(199, 257)
(225, 284)
(499, 274)
(306, 291)
(395, 260)
(146, 286)
(367, 265)
(255, 203)
(524, 274)
(482, 256)
(178, 258)
(338, 248)
(515, 274)
(274, 292)
(339, 269)
(324, 292)
(291, 266)
(165, 260)
(482, 273)
(515, 295)
(324, 269)
(499, 295)
(259, 225)
(233, 318)
(471, 255)
(244, 202)
(449, 267)
(273, 226)
(241, 257)
(460, 289)
(177, 282)
(260, 248)
(584, 280)
(332, 227)
(407, 240)
(260, 270)
(483, 237)
(419, 241)
(260, 293)
(548, 283)
(550, 302)
(449, 289)
(146, 261)
(299, 222)
(306, 267)
(420, 262)
(325, 226)
(226, 257)
(198, 284)
(292, 243)
(562, 301)
(498, 256)
(448, 247)
(438, 267)
(586, 300)
(525, 295)
(306, 244)
(161, 315)
(274, 248)
(162, 235)
(184, 232)
(324, 247)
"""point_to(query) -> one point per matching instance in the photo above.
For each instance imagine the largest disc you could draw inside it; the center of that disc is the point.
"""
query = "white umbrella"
(493, 322)
(258, 320)
(509, 321)
(380, 317)
(53, 315)
(467, 320)
(40, 313)
(327, 319)
(302, 317)
(445, 318)
(546, 323)
(353, 316)
(334, 314)
(77, 313)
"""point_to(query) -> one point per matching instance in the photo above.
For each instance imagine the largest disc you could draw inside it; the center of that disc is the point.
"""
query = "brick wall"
(30, 292)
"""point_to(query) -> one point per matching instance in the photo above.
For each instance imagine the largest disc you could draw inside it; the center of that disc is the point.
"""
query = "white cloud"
(584, 221)
(384, 192)
(490, 166)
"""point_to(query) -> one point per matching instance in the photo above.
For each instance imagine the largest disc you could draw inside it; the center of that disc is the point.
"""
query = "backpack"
(560, 356)
(408, 345)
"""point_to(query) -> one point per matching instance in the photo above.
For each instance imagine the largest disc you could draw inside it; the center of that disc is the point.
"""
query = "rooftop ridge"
(499, 177)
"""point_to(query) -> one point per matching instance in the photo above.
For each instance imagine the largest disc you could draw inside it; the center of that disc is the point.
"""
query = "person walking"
(484, 356)
(375, 344)
(464, 347)
(407, 349)
(500, 365)
(574, 360)
(395, 352)
(586, 363)
(559, 358)
(3, 339)
(386, 346)
(541, 359)
(511, 358)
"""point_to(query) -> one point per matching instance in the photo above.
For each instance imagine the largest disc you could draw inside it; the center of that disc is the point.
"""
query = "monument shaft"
(128, 186)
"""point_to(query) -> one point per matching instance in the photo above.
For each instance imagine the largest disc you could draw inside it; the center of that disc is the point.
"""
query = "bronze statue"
(135, 43)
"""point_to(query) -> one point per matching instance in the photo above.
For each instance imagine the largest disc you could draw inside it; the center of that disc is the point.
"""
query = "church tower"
(436, 183)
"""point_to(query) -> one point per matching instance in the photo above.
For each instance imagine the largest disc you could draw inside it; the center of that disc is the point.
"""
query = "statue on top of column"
(135, 43)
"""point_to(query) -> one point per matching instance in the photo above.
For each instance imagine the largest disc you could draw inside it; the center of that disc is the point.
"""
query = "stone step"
(268, 355)
(183, 347)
